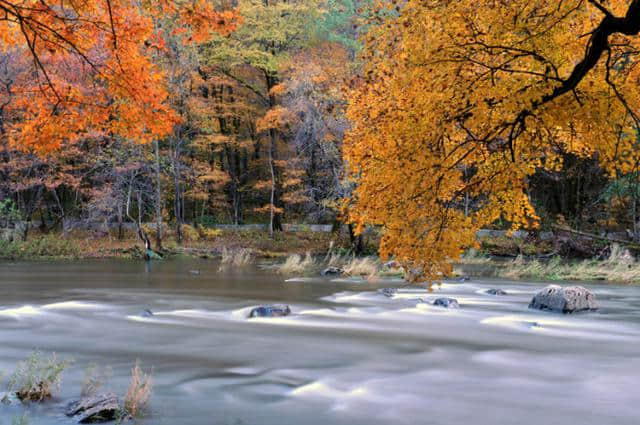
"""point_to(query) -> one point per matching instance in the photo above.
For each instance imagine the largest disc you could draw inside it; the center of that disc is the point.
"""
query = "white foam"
(247, 371)
(198, 314)
(25, 310)
(317, 389)
(152, 319)
(72, 305)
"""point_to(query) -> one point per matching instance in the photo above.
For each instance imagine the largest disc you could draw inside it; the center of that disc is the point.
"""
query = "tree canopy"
(89, 67)
(468, 99)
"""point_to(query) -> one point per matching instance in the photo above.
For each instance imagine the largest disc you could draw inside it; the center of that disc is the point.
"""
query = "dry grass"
(94, 379)
(136, 401)
(473, 256)
(37, 377)
(297, 264)
(236, 257)
(620, 266)
(367, 267)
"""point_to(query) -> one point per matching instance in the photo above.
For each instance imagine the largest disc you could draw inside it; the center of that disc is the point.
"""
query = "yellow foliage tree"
(469, 98)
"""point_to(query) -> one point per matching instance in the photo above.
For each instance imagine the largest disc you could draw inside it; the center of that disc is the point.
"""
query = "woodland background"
(259, 138)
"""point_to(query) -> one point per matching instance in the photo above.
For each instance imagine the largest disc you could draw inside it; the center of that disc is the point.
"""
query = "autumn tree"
(271, 30)
(470, 98)
(314, 82)
(91, 70)
(225, 112)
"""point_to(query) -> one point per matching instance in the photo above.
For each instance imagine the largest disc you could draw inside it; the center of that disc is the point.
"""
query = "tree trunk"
(177, 199)
(119, 215)
(275, 221)
(357, 242)
(158, 199)
(273, 193)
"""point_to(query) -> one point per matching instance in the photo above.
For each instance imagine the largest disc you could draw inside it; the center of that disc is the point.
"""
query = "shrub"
(207, 220)
(136, 401)
(209, 234)
(189, 233)
(41, 246)
(37, 377)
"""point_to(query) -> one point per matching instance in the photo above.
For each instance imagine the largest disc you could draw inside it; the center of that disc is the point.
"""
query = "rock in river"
(494, 291)
(332, 271)
(146, 313)
(446, 302)
(388, 292)
(569, 299)
(98, 408)
(276, 310)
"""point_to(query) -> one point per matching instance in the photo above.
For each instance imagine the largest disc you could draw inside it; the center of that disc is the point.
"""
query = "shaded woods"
(253, 118)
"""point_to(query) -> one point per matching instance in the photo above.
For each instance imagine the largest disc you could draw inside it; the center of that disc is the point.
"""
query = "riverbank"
(497, 256)
(85, 245)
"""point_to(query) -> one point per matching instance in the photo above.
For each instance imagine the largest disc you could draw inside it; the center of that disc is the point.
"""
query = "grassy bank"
(306, 252)
(84, 245)
(620, 266)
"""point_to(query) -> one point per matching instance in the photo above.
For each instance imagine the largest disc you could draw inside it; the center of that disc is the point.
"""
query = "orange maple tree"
(91, 69)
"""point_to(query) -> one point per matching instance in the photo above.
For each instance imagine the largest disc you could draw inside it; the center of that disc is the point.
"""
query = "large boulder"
(569, 299)
(276, 310)
(446, 302)
(96, 408)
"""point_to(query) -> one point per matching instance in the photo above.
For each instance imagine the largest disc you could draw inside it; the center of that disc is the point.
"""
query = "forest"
(320, 212)
(416, 120)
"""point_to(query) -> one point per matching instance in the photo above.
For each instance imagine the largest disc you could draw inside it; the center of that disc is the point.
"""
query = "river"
(347, 354)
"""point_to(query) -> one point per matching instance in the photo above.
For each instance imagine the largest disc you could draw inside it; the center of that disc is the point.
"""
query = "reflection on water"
(347, 355)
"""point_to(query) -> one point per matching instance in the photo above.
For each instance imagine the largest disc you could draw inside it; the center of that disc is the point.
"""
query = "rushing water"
(347, 354)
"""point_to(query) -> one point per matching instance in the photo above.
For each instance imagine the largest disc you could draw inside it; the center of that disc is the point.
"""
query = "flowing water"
(347, 354)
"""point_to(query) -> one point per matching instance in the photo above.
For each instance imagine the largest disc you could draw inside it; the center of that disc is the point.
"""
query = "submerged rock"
(388, 292)
(276, 310)
(570, 299)
(97, 408)
(332, 271)
(496, 291)
(146, 313)
(446, 303)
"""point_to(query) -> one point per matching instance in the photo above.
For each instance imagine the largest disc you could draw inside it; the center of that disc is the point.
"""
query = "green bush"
(41, 246)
